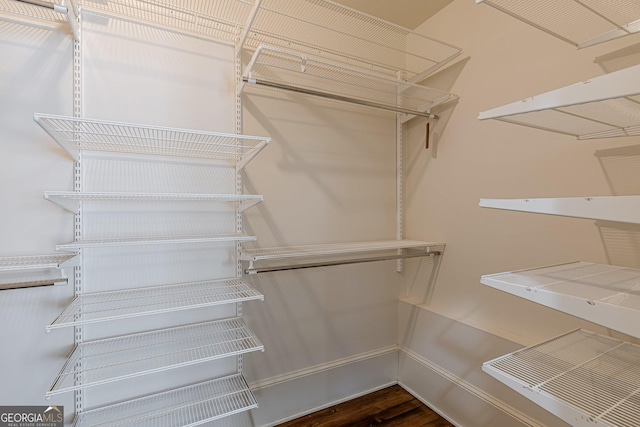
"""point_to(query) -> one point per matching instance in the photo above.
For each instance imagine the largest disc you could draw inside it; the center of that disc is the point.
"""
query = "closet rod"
(340, 262)
(33, 284)
(337, 97)
(56, 7)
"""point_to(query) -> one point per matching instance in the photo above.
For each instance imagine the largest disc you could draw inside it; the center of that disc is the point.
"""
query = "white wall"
(506, 60)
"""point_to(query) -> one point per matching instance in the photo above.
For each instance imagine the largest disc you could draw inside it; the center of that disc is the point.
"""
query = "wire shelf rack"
(337, 33)
(34, 271)
(606, 208)
(604, 294)
(219, 20)
(114, 305)
(71, 200)
(169, 240)
(31, 11)
(604, 107)
(75, 134)
(105, 361)
(583, 378)
(581, 23)
(187, 406)
(285, 70)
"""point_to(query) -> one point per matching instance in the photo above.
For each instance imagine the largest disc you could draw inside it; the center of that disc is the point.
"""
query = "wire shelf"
(583, 378)
(286, 70)
(581, 23)
(341, 34)
(71, 200)
(219, 20)
(604, 107)
(186, 406)
(215, 238)
(34, 271)
(31, 11)
(75, 135)
(603, 294)
(114, 305)
(38, 262)
(114, 359)
(607, 208)
(334, 249)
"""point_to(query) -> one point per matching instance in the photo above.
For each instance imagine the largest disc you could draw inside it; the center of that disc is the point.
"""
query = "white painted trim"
(470, 388)
(291, 376)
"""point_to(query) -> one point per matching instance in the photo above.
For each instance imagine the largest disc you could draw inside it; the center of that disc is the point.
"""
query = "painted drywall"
(506, 60)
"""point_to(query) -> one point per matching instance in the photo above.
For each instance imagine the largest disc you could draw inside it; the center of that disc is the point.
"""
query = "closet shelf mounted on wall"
(167, 240)
(605, 294)
(578, 22)
(583, 378)
(129, 303)
(35, 270)
(43, 10)
(336, 254)
(114, 359)
(604, 107)
(188, 406)
(74, 134)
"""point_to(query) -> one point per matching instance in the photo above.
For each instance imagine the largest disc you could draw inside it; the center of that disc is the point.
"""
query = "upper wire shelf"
(75, 134)
(113, 359)
(35, 270)
(605, 208)
(581, 23)
(169, 240)
(320, 28)
(603, 294)
(604, 107)
(338, 253)
(43, 10)
(129, 303)
(186, 406)
(71, 200)
(583, 378)
(285, 70)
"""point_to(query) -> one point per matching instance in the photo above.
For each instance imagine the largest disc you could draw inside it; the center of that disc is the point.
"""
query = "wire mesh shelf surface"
(579, 22)
(113, 359)
(75, 134)
(31, 11)
(220, 20)
(71, 200)
(335, 249)
(603, 294)
(113, 305)
(169, 240)
(604, 107)
(36, 262)
(281, 69)
(340, 34)
(33, 271)
(187, 406)
(583, 378)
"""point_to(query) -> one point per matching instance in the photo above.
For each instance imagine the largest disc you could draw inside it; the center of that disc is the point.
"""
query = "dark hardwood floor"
(392, 406)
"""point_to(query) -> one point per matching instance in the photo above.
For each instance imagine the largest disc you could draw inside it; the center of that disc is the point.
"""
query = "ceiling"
(407, 13)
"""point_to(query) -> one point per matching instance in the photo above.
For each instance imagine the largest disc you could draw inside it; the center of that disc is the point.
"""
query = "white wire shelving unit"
(114, 359)
(604, 294)
(188, 406)
(168, 240)
(280, 258)
(581, 23)
(129, 303)
(75, 134)
(35, 270)
(583, 378)
(42, 10)
(606, 106)
(285, 70)
(71, 200)
(605, 208)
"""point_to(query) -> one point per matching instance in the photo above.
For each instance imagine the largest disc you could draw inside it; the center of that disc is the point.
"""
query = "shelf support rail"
(255, 270)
